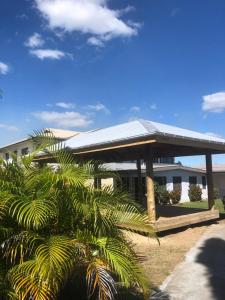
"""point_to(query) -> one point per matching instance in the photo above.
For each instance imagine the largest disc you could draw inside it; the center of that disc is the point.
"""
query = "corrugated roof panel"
(107, 135)
(173, 130)
(132, 130)
(124, 166)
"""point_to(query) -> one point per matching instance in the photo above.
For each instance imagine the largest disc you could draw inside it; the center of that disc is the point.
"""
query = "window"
(25, 151)
(161, 180)
(204, 182)
(15, 152)
(6, 156)
(177, 182)
(192, 180)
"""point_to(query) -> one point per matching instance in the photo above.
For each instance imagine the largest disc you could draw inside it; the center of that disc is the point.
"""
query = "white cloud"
(94, 41)
(35, 41)
(48, 54)
(4, 68)
(214, 102)
(66, 105)
(99, 107)
(86, 16)
(135, 109)
(9, 127)
(68, 119)
(22, 16)
(153, 106)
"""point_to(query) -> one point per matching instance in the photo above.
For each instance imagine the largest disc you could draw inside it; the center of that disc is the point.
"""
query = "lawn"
(203, 205)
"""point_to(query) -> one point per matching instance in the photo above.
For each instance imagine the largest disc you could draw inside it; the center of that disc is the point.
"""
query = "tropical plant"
(175, 195)
(56, 228)
(195, 193)
(162, 196)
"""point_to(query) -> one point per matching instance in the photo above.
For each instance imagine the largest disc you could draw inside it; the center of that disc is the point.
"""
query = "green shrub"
(216, 193)
(162, 196)
(195, 193)
(175, 196)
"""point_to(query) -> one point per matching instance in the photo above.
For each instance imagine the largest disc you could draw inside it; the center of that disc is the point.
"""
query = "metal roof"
(57, 133)
(130, 166)
(136, 129)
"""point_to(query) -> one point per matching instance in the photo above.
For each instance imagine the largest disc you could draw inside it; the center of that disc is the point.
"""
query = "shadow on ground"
(212, 256)
(159, 295)
(167, 211)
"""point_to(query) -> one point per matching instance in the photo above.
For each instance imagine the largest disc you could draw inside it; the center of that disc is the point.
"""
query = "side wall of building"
(18, 148)
(219, 182)
(169, 174)
(184, 182)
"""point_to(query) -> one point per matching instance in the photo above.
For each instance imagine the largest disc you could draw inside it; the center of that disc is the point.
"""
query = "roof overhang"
(101, 146)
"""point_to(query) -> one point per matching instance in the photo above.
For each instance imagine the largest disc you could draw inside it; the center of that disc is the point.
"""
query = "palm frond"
(123, 261)
(99, 281)
(129, 217)
(55, 258)
(32, 213)
(18, 246)
(26, 282)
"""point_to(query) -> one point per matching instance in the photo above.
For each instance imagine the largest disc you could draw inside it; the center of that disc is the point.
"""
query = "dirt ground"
(159, 261)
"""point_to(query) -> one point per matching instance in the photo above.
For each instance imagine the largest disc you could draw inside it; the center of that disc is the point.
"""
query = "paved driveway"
(202, 275)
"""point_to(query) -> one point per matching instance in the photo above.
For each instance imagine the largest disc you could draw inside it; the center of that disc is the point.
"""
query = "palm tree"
(56, 227)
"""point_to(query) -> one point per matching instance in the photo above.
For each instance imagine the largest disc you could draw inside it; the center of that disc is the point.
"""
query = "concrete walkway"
(202, 274)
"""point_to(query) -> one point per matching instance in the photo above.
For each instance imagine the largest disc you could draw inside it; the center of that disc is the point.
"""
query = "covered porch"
(143, 141)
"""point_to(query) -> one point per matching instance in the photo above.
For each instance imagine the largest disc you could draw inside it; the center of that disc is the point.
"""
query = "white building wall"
(17, 147)
(219, 182)
(185, 181)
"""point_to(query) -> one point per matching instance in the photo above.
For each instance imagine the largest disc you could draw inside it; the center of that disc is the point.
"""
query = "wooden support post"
(150, 185)
(140, 186)
(209, 176)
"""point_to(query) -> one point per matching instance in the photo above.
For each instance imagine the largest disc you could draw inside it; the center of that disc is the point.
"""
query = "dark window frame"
(192, 180)
(161, 180)
(25, 151)
(177, 182)
(204, 183)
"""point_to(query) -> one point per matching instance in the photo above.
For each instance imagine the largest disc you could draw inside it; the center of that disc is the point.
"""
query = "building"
(25, 146)
(171, 176)
(146, 140)
(218, 178)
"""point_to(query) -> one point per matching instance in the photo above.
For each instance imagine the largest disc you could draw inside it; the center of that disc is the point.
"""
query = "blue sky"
(83, 64)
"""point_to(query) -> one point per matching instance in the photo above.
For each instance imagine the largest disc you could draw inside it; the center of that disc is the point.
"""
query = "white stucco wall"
(185, 181)
(219, 182)
(17, 147)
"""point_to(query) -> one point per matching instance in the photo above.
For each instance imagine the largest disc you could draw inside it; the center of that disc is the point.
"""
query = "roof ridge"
(145, 124)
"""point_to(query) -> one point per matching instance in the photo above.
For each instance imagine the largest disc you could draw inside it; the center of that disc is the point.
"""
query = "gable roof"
(134, 130)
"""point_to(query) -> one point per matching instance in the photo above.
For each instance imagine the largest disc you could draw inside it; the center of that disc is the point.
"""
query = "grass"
(203, 205)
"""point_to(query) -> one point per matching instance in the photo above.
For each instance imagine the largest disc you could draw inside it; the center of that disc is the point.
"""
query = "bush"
(162, 196)
(195, 193)
(216, 193)
(175, 196)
